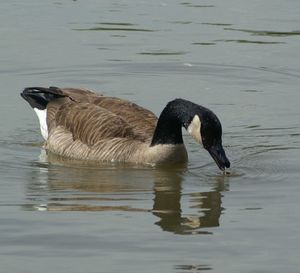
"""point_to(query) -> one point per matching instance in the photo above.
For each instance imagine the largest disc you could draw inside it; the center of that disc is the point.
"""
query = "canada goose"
(80, 124)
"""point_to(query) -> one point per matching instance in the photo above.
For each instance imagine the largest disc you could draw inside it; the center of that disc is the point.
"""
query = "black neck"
(177, 114)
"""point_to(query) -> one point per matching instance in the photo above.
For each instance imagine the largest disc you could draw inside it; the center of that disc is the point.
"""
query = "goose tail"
(39, 97)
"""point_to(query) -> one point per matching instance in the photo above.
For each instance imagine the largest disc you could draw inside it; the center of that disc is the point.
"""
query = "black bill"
(218, 154)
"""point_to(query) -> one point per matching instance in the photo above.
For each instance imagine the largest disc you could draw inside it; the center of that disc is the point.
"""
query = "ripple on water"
(190, 5)
(262, 153)
(114, 26)
(193, 268)
(161, 52)
(216, 24)
(204, 43)
(270, 33)
(245, 41)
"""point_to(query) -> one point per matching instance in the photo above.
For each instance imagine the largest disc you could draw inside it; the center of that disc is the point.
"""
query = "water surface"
(239, 58)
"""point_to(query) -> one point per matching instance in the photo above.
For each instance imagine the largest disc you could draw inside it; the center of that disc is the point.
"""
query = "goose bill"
(218, 154)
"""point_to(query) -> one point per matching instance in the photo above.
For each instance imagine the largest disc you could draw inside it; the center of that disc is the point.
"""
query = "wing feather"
(97, 122)
(142, 121)
(90, 123)
(91, 117)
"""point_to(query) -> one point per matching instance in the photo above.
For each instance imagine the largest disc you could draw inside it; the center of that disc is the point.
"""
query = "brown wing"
(90, 123)
(80, 94)
(141, 120)
(90, 117)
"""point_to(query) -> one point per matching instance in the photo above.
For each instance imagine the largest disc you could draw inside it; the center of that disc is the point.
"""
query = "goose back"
(84, 125)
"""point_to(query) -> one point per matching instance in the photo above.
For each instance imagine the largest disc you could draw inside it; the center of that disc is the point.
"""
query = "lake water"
(239, 58)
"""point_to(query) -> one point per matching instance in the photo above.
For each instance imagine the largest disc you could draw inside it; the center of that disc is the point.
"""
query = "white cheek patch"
(42, 115)
(194, 129)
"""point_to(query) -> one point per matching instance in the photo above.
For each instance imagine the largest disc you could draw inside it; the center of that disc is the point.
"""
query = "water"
(239, 58)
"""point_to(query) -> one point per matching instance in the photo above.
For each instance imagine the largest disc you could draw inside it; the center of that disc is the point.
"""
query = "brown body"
(86, 126)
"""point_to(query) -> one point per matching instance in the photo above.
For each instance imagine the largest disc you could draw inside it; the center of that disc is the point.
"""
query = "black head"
(211, 135)
(206, 128)
(201, 123)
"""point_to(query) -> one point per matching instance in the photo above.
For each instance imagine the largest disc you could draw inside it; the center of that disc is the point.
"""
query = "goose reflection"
(58, 184)
(204, 208)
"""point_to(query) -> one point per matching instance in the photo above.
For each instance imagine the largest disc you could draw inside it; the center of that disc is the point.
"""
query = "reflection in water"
(167, 206)
(62, 185)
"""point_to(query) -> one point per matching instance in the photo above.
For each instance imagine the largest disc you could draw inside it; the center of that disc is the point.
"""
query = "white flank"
(194, 129)
(42, 115)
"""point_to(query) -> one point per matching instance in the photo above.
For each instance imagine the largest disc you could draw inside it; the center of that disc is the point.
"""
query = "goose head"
(206, 129)
(200, 122)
